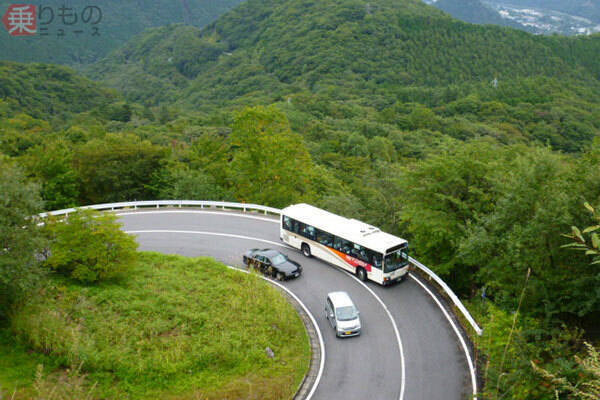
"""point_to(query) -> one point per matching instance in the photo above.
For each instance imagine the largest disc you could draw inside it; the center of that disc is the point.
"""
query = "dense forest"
(478, 144)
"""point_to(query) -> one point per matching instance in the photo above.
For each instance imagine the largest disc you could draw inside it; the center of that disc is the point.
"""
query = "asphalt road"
(371, 366)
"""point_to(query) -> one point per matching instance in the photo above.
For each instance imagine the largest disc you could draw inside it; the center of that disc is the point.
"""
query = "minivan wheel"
(361, 274)
(306, 249)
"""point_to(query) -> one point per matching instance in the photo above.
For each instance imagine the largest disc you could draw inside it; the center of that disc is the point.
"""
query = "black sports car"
(272, 263)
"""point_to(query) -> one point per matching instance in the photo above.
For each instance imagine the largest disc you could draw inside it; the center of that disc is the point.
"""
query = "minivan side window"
(329, 306)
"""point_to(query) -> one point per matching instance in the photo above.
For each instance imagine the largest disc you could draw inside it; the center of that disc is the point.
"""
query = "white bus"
(350, 244)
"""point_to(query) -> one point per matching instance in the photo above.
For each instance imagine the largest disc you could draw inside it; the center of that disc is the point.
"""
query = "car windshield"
(278, 259)
(346, 313)
(395, 260)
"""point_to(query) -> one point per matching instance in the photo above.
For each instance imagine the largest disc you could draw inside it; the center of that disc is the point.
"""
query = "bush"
(89, 246)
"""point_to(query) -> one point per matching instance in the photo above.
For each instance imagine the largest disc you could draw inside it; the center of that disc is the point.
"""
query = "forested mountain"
(44, 91)
(369, 48)
(117, 21)
(479, 144)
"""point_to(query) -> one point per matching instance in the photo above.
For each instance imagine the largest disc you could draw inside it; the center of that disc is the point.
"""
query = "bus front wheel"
(361, 274)
(306, 249)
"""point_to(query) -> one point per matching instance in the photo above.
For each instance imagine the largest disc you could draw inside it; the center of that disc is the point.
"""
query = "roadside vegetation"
(174, 328)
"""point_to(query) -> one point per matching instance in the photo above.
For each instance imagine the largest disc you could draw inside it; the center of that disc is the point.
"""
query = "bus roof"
(350, 229)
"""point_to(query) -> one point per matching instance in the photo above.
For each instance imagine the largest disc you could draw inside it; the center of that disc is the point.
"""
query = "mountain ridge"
(271, 48)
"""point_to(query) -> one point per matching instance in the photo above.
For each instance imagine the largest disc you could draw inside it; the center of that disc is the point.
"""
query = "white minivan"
(342, 314)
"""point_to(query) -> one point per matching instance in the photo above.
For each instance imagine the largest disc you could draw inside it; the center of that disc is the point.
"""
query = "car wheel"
(280, 276)
(336, 331)
(361, 274)
(306, 249)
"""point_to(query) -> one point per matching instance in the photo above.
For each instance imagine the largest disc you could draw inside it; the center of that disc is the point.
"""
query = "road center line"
(402, 378)
(460, 337)
(389, 314)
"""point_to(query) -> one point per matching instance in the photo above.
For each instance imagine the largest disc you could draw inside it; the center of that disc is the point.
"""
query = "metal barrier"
(450, 294)
(266, 210)
(172, 203)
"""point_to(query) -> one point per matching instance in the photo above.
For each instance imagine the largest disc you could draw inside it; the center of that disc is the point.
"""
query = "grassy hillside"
(120, 21)
(160, 333)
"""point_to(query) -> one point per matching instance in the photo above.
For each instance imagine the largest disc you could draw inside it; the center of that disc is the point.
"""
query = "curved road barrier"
(221, 208)
(266, 210)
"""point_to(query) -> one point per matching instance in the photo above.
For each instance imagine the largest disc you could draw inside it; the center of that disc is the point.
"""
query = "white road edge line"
(396, 331)
(460, 337)
(200, 212)
(389, 314)
(403, 378)
(312, 320)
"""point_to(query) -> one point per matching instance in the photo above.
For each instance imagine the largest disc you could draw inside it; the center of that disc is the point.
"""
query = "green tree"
(118, 167)
(270, 163)
(182, 183)
(90, 246)
(443, 195)
(52, 165)
(533, 207)
(20, 237)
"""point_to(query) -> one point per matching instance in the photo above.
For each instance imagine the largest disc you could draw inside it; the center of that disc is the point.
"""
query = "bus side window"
(337, 243)
(346, 246)
(375, 259)
(324, 238)
(301, 229)
(310, 232)
(287, 223)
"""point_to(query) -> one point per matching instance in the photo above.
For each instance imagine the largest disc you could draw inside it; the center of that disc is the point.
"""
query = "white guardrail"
(266, 210)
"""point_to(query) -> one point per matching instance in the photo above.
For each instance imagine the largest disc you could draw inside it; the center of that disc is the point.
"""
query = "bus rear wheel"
(306, 249)
(361, 274)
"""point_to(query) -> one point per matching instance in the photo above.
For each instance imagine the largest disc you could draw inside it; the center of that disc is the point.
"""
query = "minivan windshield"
(347, 313)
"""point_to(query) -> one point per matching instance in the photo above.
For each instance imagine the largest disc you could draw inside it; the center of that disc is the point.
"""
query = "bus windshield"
(395, 260)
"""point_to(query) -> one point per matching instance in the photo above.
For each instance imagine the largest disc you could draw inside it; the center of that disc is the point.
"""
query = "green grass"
(175, 328)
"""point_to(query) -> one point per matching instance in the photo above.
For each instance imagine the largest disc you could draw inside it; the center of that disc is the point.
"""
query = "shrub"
(89, 246)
